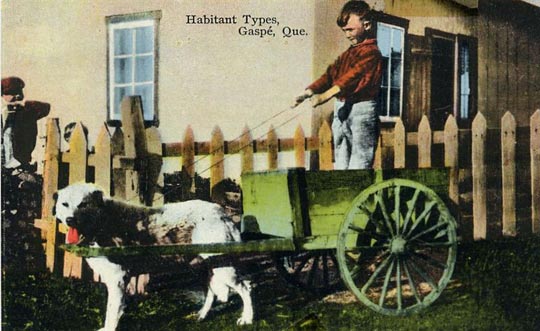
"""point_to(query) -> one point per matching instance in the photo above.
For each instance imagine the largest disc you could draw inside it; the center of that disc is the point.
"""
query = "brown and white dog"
(99, 221)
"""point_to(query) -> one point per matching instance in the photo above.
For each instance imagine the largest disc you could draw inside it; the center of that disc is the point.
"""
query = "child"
(19, 123)
(354, 79)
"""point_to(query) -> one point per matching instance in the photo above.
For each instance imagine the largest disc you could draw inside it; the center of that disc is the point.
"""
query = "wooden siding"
(509, 65)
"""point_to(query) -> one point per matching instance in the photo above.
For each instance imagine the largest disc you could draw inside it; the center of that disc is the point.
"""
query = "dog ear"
(55, 199)
(97, 197)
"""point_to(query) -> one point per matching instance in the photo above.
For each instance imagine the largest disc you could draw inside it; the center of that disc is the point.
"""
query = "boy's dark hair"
(356, 7)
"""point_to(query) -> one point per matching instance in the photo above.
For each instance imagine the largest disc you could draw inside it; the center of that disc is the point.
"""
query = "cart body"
(309, 206)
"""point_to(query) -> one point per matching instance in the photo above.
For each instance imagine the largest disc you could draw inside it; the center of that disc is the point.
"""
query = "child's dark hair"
(356, 7)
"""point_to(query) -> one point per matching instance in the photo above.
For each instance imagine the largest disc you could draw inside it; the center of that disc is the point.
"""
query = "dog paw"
(244, 321)
(201, 315)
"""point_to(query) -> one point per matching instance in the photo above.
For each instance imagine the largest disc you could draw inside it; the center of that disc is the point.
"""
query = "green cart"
(387, 234)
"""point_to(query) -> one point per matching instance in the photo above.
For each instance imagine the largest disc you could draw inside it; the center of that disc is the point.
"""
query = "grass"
(496, 286)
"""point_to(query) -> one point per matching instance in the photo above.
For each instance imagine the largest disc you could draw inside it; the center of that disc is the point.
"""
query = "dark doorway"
(442, 81)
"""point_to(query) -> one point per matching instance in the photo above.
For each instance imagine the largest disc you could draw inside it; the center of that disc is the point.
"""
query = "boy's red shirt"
(357, 72)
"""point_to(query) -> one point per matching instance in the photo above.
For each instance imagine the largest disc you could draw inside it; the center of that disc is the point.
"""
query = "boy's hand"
(319, 99)
(299, 99)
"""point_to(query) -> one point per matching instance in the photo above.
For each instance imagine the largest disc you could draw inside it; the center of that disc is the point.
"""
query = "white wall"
(208, 74)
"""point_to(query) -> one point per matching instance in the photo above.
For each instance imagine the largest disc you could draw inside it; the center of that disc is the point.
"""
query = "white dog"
(95, 220)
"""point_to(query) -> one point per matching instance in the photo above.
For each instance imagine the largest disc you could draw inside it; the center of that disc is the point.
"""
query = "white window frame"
(131, 21)
(388, 118)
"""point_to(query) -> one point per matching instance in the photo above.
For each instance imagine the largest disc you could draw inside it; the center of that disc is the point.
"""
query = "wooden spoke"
(386, 283)
(371, 234)
(387, 221)
(429, 260)
(360, 249)
(398, 284)
(423, 215)
(411, 282)
(376, 273)
(411, 209)
(431, 229)
(313, 271)
(325, 270)
(424, 276)
(447, 244)
(397, 213)
(304, 261)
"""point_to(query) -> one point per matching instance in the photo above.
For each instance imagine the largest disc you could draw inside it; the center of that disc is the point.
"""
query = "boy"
(354, 79)
(19, 124)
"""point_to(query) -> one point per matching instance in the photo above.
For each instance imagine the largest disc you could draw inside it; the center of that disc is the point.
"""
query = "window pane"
(396, 72)
(123, 41)
(395, 100)
(464, 80)
(383, 96)
(144, 38)
(144, 68)
(123, 69)
(385, 61)
(397, 39)
(119, 94)
(383, 39)
(147, 94)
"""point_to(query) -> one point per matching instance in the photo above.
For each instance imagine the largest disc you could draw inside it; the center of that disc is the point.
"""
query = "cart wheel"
(315, 271)
(397, 247)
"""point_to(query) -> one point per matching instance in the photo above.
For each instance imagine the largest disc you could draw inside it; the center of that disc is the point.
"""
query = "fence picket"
(508, 149)
(246, 145)
(188, 152)
(400, 143)
(78, 156)
(102, 160)
(299, 147)
(377, 158)
(451, 159)
(272, 141)
(424, 143)
(50, 186)
(325, 147)
(535, 171)
(479, 131)
(217, 149)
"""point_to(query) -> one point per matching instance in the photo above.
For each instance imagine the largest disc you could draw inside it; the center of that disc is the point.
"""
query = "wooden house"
(449, 57)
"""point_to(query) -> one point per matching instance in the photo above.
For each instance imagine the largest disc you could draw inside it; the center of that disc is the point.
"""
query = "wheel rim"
(315, 271)
(397, 247)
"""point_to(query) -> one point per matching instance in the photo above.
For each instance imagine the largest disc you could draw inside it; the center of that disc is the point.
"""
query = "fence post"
(508, 150)
(400, 143)
(325, 147)
(246, 150)
(217, 150)
(479, 131)
(77, 158)
(154, 177)
(535, 171)
(135, 147)
(188, 152)
(424, 143)
(118, 174)
(300, 147)
(451, 160)
(272, 143)
(50, 186)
